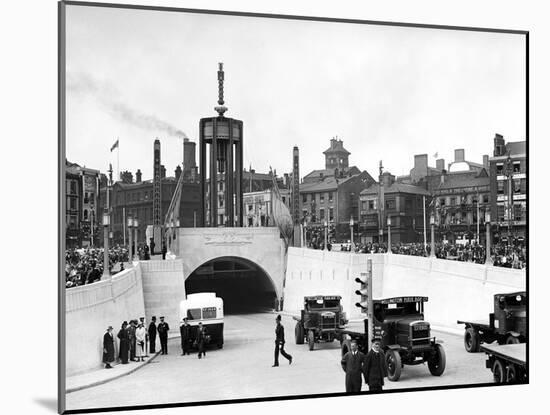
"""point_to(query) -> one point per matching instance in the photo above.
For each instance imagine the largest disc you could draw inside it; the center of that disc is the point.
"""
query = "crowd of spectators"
(85, 265)
(502, 254)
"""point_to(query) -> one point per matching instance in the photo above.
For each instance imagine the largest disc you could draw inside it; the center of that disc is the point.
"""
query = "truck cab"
(510, 315)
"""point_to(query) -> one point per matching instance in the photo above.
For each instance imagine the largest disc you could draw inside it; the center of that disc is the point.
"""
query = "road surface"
(242, 369)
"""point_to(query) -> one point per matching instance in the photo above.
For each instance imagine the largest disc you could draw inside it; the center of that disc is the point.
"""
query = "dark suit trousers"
(164, 343)
(280, 348)
(152, 341)
(353, 382)
(375, 387)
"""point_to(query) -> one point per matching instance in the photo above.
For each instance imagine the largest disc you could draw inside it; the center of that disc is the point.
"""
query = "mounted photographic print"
(259, 207)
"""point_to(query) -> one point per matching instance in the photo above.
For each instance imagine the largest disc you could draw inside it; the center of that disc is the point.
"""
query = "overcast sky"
(387, 92)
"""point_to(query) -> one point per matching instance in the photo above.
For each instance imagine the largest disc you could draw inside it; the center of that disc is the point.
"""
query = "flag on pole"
(115, 145)
(435, 155)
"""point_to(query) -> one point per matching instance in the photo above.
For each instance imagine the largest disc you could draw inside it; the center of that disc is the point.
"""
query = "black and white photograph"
(264, 207)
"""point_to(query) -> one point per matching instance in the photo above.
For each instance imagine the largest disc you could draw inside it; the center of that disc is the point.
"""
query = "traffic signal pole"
(366, 304)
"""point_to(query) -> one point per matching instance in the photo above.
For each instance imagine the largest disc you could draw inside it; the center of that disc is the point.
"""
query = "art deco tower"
(221, 140)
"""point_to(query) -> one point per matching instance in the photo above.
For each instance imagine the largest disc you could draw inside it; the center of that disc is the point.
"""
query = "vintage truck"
(507, 362)
(507, 324)
(320, 320)
(404, 334)
(207, 309)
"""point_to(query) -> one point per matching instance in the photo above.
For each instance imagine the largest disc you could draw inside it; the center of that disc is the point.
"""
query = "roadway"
(242, 369)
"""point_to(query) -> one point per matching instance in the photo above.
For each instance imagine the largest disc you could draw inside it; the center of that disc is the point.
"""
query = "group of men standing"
(133, 339)
(188, 340)
(371, 366)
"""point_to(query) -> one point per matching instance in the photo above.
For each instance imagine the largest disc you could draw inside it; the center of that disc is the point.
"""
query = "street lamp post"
(432, 236)
(130, 225)
(326, 229)
(389, 235)
(351, 233)
(488, 238)
(136, 257)
(106, 221)
(509, 171)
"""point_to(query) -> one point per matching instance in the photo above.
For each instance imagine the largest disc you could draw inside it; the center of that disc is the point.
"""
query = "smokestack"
(189, 150)
(459, 155)
(138, 176)
(486, 161)
(440, 164)
(162, 171)
(178, 172)
(499, 148)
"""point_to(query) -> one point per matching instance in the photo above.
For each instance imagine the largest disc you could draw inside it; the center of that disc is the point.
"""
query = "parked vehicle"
(507, 362)
(208, 309)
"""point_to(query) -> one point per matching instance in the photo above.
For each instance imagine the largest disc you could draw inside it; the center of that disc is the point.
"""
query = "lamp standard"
(305, 233)
(136, 257)
(130, 225)
(326, 229)
(389, 234)
(106, 221)
(488, 237)
(432, 236)
(509, 172)
(351, 233)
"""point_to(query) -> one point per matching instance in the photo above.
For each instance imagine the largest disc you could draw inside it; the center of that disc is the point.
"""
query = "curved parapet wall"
(456, 290)
(90, 309)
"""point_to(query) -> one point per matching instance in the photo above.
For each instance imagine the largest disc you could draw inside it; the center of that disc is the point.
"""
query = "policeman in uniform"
(280, 342)
(375, 367)
(152, 334)
(185, 332)
(163, 329)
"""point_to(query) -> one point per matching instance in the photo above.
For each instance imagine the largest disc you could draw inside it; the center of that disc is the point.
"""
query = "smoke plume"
(107, 96)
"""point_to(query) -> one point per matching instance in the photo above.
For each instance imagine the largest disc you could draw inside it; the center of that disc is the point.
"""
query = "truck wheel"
(311, 339)
(511, 373)
(512, 340)
(299, 333)
(346, 346)
(393, 362)
(498, 372)
(437, 362)
(471, 340)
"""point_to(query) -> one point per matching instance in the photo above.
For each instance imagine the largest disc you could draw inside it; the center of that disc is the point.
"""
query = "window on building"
(73, 187)
(250, 207)
(520, 213)
(453, 201)
(220, 219)
(390, 204)
(220, 186)
(442, 201)
(321, 214)
(331, 214)
(304, 213)
(86, 198)
(485, 198)
(322, 197)
(220, 201)
(85, 214)
(304, 198)
(517, 167)
(500, 212)
(372, 204)
(408, 203)
(517, 185)
(500, 169)
(330, 195)
(500, 187)
(363, 205)
(523, 186)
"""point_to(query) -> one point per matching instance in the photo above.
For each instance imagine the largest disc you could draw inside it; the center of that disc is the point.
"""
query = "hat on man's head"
(278, 318)
(110, 328)
(154, 318)
(162, 317)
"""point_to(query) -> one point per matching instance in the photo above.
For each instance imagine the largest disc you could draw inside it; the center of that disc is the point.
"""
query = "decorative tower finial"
(221, 108)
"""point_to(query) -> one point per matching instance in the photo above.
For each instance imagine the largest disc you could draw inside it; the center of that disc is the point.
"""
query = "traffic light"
(363, 292)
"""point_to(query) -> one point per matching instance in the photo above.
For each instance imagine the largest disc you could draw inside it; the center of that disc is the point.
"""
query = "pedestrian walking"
(375, 367)
(164, 250)
(280, 342)
(132, 339)
(152, 334)
(201, 339)
(152, 245)
(124, 343)
(163, 329)
(185, 332)
(140, 342)
(353, 363)
(108, 348)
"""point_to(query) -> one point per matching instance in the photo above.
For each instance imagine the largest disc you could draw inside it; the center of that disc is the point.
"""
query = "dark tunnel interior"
(243, 286)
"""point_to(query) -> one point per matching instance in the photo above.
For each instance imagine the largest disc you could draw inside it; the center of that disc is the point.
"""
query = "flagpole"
(424, 213)
(118, 159)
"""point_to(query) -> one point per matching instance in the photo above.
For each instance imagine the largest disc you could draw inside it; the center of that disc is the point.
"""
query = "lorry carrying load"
(507, 362)
(320, 320)
(207, 309)
(507, 324)
(405, 337)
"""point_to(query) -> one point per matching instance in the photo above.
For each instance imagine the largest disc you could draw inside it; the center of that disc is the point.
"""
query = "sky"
(388, 92)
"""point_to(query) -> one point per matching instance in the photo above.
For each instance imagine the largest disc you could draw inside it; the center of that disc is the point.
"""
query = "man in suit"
(132, 339)
(280, 342)
(152, 334)
(185, 332)
(201, 339)
(163, 329)
(375, 367)
(353, 364)
(108, 348)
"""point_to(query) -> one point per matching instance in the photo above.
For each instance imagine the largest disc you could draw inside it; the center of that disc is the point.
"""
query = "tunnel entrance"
(243, 285)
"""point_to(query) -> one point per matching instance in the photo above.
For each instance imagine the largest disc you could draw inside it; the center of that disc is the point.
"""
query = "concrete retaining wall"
(163, 289)
(90, 309)
(456, 290)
